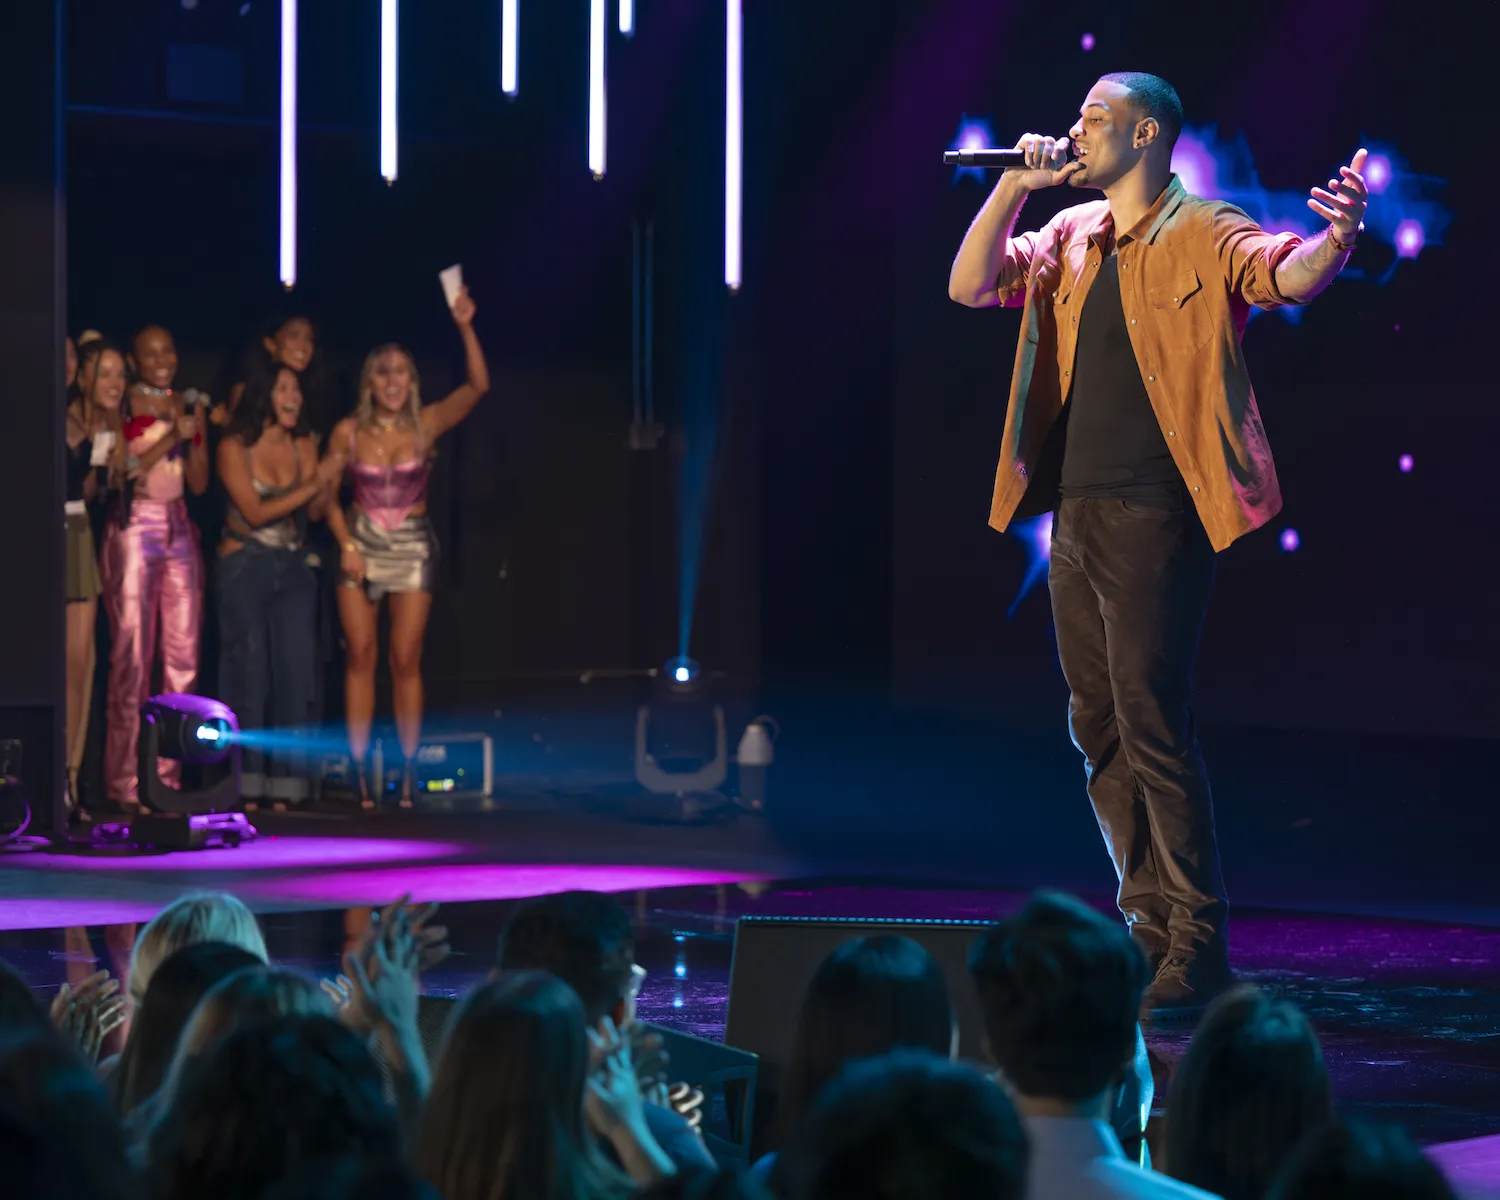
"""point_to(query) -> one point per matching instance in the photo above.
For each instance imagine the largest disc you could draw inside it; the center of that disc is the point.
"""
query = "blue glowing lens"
(209, 733)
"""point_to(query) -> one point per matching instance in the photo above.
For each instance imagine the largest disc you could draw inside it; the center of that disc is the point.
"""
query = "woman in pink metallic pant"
(152, 562)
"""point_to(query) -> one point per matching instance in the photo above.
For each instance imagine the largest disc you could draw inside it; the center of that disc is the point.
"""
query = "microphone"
(997, 159)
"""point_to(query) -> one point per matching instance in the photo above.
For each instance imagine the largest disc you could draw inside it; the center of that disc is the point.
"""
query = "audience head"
(272, 396)
(1353, 1161)
(909, 1126)
(1250, 1087)
(505, 1116)
(101, 373)
(352, 1178)
(251, 995)
(389, 384)
(1060, 991)
(153, 356)
(176, 987)
(871, 995)
(264, 1102)
(69, 1137)
(195, 917)
(20, 1008)
(582, 938)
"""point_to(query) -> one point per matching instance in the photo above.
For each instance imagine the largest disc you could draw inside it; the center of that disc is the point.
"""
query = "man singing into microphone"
(1131, 413)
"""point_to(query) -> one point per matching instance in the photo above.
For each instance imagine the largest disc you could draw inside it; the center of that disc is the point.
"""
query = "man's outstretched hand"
(1344, 201)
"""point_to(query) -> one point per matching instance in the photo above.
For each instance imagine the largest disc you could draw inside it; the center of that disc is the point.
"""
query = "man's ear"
(1146, 132)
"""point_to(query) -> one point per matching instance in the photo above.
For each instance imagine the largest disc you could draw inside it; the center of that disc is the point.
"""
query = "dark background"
(845, 414)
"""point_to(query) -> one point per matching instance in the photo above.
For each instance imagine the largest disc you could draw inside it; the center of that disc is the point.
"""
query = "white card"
(452, 280)
(104, 442)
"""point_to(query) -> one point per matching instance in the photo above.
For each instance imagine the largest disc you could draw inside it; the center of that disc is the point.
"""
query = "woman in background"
(152, 561)
(287, 342)
(267, 595)
(387, 544)
(96, 456)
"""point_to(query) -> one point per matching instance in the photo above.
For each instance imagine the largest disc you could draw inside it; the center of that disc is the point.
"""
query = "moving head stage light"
(196, 731)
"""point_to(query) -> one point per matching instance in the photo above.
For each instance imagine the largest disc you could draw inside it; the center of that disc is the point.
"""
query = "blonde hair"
(188, 920)
(364, 415)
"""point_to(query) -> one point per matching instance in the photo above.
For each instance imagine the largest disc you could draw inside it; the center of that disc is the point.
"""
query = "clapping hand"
(613, 1099)
(382, 973)
(89, 1013)
(1344, 202)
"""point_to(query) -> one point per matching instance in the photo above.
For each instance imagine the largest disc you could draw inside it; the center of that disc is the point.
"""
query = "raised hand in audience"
(89, 1013)
(381, 981)
(616, 1109)
(652, 1063)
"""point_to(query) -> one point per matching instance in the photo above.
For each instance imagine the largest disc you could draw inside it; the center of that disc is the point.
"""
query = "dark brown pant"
(1130, 583)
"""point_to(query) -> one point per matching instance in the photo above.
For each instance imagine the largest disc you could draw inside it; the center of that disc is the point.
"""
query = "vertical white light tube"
(388, 20)
(627, 17)
(289, 143)
(733, 144)
(509, 28)
(596, 87)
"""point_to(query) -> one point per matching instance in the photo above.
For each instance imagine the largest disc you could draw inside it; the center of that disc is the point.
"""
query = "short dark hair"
(582, 938)
(1060, 991)
(1350, 1160)
(909, 1126)
(870, 996)
(1250, 1087)
(268, 1099)
(1154, 97)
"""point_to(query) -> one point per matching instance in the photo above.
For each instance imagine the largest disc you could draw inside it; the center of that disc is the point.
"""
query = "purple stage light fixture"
(509, 52)
(288, 144)
(1410, 239)
(389, 19)
(733, 144)
(1377, 173)
(1406, 462)
(1087, 41)
(1290, 540)
(597, 99)
(200, 732)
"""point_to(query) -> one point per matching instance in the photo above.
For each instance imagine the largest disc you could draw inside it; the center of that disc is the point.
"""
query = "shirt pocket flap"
(1175, 292)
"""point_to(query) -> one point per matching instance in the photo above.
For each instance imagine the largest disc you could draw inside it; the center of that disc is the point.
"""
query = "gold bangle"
(350, 547)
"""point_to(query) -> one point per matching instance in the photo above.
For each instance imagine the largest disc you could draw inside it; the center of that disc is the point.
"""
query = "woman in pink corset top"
(151, 561)
(386, 540)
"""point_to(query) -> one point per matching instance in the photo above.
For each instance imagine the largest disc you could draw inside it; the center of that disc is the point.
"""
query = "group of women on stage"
(136, 447)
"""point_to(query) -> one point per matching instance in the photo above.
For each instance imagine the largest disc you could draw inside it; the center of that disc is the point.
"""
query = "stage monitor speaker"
(775, 957)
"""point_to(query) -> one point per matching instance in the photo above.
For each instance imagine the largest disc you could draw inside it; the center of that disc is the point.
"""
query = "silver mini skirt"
(403, 559)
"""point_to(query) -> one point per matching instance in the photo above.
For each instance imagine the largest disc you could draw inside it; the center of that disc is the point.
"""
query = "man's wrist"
(1339, 239)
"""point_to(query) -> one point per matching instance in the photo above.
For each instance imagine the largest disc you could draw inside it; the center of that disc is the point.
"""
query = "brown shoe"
(1186, 984)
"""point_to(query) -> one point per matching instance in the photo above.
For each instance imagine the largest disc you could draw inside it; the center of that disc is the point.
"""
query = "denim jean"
(1130, 582)
(268, 604)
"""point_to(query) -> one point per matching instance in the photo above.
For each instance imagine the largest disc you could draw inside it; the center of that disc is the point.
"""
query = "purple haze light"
(1377, 173)
(1405, 462)
(1410, 239)
(1194, 162)
(1087, 41)
(1290, 540)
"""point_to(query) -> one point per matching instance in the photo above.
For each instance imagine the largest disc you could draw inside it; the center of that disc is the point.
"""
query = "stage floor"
(1409, 1010)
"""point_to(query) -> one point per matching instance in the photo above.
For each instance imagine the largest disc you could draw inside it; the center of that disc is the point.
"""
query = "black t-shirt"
(1114, 445)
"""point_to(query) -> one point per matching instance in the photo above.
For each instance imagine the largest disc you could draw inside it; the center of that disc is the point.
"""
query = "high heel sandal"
(367, 801)
(408, 785)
